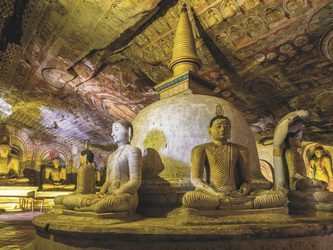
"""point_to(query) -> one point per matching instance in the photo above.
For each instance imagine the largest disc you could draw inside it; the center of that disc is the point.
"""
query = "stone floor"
(16, 229)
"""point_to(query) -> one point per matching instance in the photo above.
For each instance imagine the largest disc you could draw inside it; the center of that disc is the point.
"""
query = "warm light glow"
(18, 191)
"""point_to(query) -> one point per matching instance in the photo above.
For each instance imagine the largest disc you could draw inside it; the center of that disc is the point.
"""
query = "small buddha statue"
(321, 166)
(85, 183)
(55, 176)
(228, 182)
(9, 166)
(296, 166)
(305, 195)
(123, 178)
(97, 173)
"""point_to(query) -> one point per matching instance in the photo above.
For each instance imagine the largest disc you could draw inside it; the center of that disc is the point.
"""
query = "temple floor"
(16, 229)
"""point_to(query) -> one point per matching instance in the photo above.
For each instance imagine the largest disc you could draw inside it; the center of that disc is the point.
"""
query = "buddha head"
(122, 132)
(86, 156)
(219, 128)
(5, 150)
(5, 147)
(319, 151)
(56, 162)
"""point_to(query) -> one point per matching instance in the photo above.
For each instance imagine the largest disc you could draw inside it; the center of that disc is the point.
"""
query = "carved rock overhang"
(70, 70)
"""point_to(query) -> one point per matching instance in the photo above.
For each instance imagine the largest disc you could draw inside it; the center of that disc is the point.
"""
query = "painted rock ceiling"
(70, 68)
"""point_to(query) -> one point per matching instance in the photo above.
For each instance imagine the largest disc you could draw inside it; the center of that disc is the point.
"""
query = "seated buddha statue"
(298, 179)
(305, 195)
(9, 166)
(55, 176)
(123, 178)
(321, 166)
(228, 174)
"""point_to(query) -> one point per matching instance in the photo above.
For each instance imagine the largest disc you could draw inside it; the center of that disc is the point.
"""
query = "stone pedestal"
(70, 232)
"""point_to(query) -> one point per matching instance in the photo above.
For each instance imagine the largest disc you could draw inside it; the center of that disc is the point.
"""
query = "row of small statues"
(228, 183)
(55, 176)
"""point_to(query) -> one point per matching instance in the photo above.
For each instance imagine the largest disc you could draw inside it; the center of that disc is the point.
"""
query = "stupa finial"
(184, 56)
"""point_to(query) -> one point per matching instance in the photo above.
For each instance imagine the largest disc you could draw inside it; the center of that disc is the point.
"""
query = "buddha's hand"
(243, 191)
(100, 195)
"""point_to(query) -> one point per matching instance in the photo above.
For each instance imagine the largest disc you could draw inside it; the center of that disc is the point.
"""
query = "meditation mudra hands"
(243, 191)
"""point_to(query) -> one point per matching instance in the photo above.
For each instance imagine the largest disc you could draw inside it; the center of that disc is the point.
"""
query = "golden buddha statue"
(228, 182)
(306, 195)
(321, 166)
(55, 176)
(85, 183)
(123, 179)
(9, 166)
(296, 166)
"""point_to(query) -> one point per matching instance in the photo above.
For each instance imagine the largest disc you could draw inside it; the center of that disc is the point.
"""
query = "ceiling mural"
(70, 69)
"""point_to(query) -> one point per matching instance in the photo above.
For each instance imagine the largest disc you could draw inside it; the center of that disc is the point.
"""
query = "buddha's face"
(4, 150)
(318, 153)
(220, 130)
(56, 163)
(119, 133)
(83, 159)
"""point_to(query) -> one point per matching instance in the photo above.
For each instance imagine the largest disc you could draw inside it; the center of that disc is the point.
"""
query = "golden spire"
(184, 56)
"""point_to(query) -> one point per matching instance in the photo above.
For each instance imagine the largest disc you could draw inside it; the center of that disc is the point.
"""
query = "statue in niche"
(85, 183)
(160, 25)
(229, 9)
(294, 5)
(166, 46)
(213, 17)
(296, 166)
(236, 34)
(248, 4)
(150, 32)
(9, 166)
(197, 3)
(54, 176)
(321, 166)
(171, 17)
(221, 41)
(123, 179)
(273, 15)
(228, 182)
(253, 25)
(140, 39)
